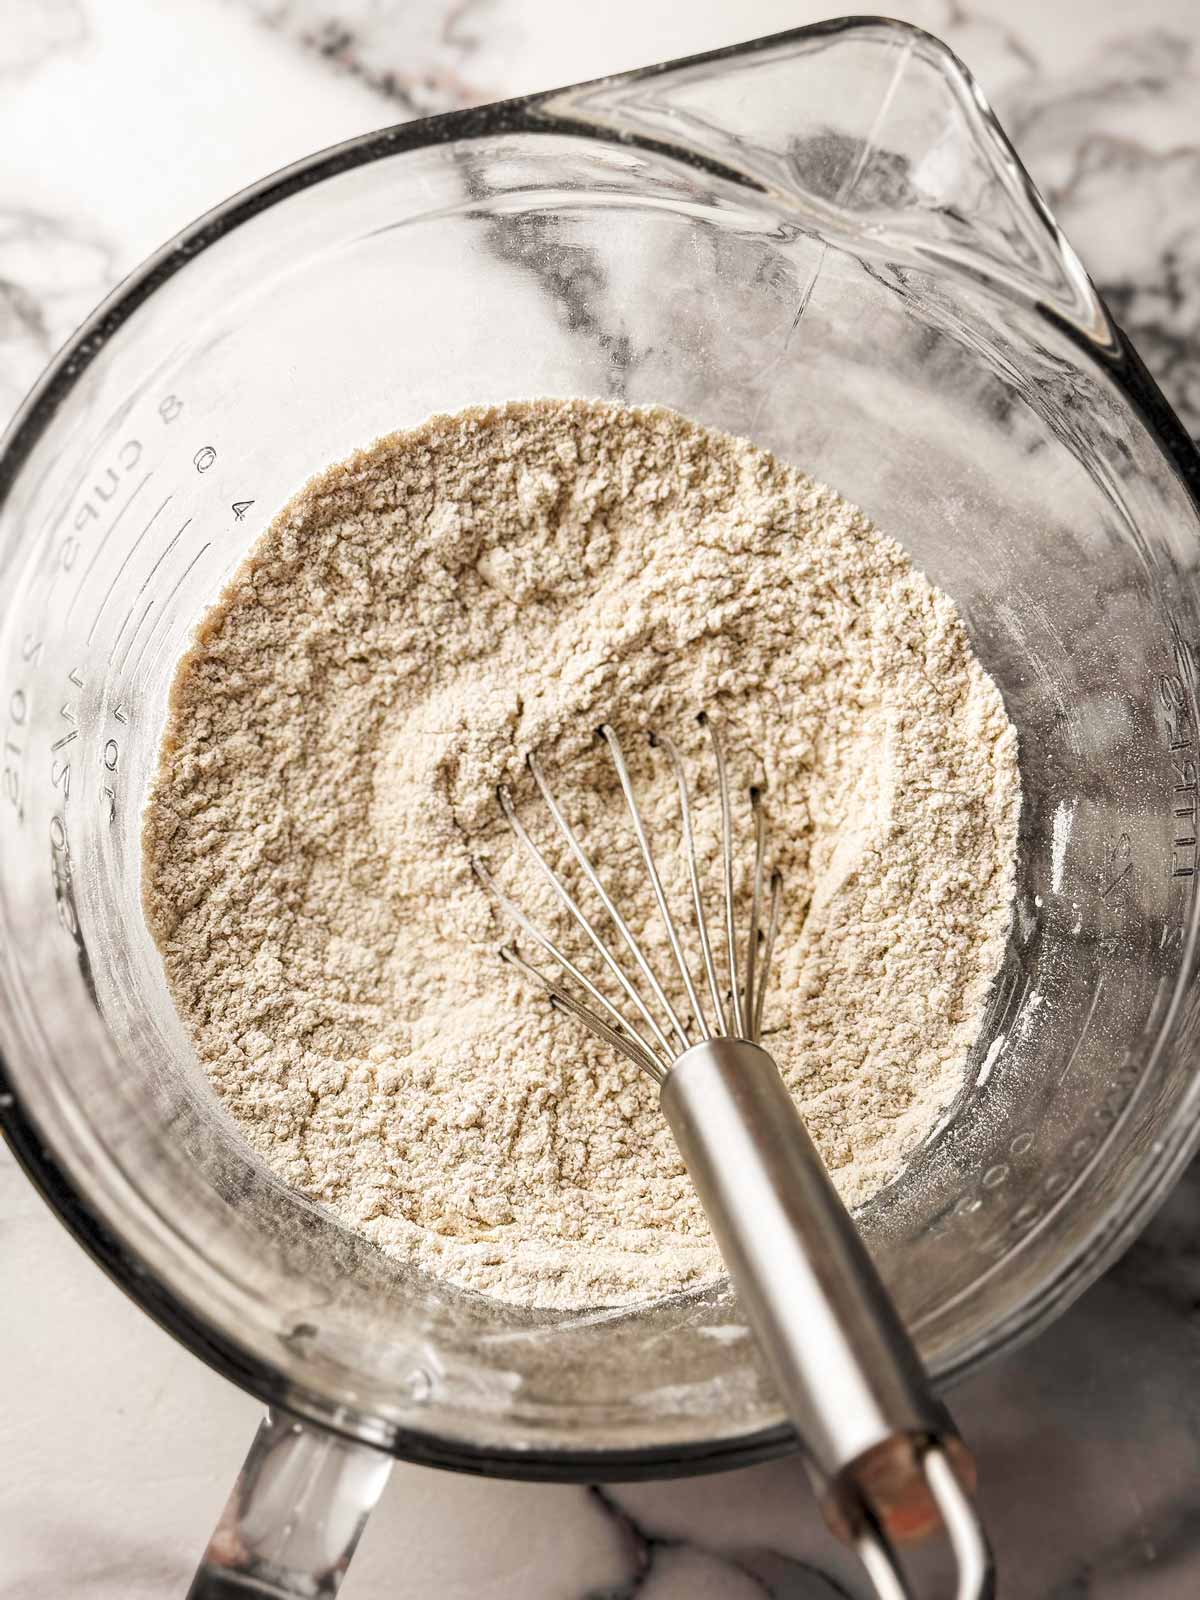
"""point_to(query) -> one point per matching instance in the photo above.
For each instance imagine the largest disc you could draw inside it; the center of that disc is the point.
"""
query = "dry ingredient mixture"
(502, 581)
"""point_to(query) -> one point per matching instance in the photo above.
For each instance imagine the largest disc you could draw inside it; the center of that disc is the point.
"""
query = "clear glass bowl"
(821, 240)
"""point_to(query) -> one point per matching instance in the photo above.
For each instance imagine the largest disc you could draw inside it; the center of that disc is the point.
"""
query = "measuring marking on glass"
(1117, 868)
(175, 588)
(1082, 1039)
(105, 537)
(161, 557)
(133, 636)
(125, 562)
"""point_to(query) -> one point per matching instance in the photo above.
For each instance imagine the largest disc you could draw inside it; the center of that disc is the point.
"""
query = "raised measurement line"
(161, 557)
(133, 636)
(105, 537)
(175, 588)
(125, 562)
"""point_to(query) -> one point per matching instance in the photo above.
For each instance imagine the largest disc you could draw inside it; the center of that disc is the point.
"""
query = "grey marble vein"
(762, 1571)
(1125, 196)
(417, 58)
(52, 272)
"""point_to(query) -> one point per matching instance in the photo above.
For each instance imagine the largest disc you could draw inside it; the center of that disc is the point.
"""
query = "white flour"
(503, 581)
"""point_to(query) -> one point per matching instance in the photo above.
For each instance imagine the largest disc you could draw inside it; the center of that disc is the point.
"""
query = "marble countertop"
(120, 120)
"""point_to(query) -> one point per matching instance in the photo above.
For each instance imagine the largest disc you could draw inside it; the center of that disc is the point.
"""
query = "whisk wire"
(568, 900)
(605, 898)
(740, 1015)
(768, 949)
(664, 910)
(755, 905)
(564, 1001)
(689, 850)
(564, 961)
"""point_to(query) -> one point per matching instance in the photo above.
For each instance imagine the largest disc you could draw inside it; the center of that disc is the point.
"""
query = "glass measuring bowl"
(821, 240)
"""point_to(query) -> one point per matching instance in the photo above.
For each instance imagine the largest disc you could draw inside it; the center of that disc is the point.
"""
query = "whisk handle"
(876, 1436)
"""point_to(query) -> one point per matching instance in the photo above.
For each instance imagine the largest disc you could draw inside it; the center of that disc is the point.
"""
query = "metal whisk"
(882, 1450)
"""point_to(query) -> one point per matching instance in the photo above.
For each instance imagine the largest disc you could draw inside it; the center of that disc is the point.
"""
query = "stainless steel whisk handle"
(881, 1445)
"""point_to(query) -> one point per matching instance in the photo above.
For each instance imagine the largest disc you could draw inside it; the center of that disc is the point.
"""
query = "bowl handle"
(294, 1516)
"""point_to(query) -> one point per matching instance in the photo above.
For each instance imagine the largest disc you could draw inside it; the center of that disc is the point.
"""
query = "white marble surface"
(120, 120)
